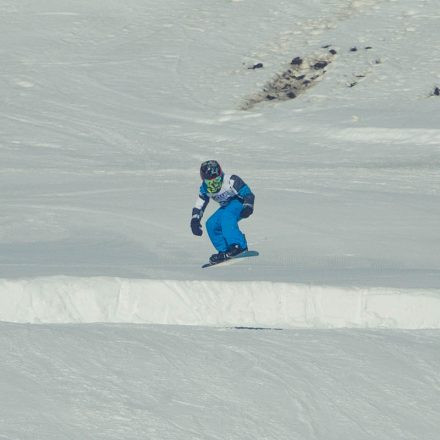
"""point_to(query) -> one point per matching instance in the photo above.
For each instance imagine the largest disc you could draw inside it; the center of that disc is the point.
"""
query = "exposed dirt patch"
(301, 74)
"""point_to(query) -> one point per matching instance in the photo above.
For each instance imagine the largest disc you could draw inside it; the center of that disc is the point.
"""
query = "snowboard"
(244, 254)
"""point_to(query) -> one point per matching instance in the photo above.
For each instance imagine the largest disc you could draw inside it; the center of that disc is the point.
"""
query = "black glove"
(246, 211)
(196, 228)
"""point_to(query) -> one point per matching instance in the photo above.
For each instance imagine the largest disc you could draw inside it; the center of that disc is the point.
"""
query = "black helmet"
(210, 170)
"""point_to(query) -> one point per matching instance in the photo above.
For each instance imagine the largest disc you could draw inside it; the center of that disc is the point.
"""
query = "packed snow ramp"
(215, 303)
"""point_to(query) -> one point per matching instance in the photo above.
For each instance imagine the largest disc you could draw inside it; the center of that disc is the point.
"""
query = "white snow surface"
(210, 303)
(162, 382)
(107, 110)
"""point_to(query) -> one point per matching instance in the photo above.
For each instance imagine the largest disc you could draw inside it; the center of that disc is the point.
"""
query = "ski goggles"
(215, 184)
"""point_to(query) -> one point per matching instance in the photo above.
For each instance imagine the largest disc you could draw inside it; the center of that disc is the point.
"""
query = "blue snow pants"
(223, 229)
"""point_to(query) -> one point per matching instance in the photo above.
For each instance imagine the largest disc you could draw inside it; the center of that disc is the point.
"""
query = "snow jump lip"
(258, 304)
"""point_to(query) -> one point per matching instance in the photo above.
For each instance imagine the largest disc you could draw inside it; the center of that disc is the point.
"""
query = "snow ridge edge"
(63, 299)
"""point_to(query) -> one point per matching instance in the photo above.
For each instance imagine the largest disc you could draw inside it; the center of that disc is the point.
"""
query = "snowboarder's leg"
(229, 225)
(214, 228)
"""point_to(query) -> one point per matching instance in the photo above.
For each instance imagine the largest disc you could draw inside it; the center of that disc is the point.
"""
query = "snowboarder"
(236, 202)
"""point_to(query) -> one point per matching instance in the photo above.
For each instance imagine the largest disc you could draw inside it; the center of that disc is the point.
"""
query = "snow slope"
(107, 110)
(164, 382)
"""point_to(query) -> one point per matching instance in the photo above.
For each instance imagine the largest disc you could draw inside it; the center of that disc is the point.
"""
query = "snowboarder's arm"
(200, 205)
(245, 195)
(197, 212)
